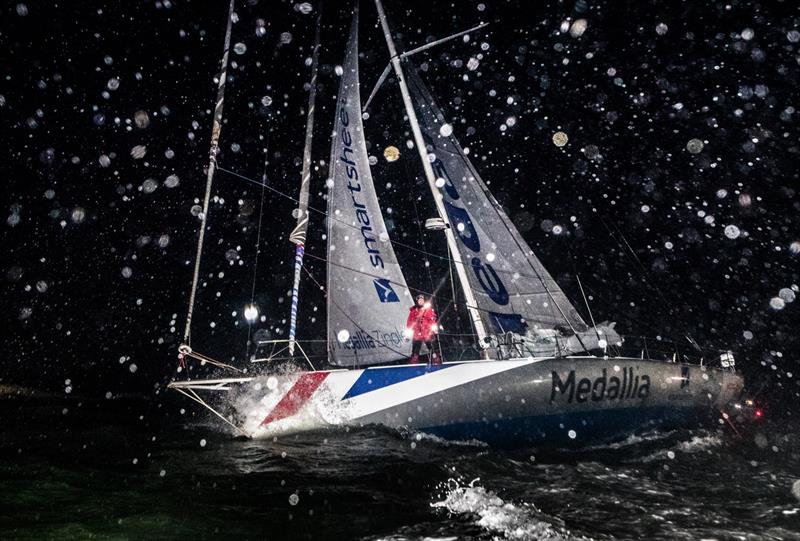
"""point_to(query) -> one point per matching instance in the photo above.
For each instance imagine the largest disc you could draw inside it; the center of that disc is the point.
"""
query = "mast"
(475, 316)
(298, 235)
(212, 166)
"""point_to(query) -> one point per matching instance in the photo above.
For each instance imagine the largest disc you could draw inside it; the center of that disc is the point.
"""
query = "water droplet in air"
(695, 146)
(560, 139)
(149, 185)
(577, 28)
(391, 153)
(787, 294)
(138, 152)
(142, 119)
(732, 232)
(777, 303)
(171, 181)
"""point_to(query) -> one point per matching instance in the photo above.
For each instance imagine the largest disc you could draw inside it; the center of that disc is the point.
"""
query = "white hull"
(545, 401)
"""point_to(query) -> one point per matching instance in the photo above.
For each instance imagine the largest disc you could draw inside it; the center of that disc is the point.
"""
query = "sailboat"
(540, 374)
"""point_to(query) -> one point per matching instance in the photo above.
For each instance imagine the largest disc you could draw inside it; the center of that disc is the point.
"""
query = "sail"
(368, 298)
(512, 289)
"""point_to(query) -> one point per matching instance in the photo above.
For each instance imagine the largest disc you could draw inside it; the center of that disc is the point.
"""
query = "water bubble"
(113, 83)
(572, 434)
(796, 489)
(440, 182)
(560, 139)
(338, 70)
(196, 210)
(795, 247)
(670, 454)
(472, 64)
(133, 368)
(22, 10)
(446, 130)
(748, 34)
(286, 38)
(127, 272)
(162, 473)
(695, 146)
(372, 160)
(304, 8)
(793, 36)
(294, 499)
(732, 232)
(99, 119)
(266, 101)
(203, 442)
(661, 29)
(240, 48)
(41, 286)
(104, 160)
(343, 336)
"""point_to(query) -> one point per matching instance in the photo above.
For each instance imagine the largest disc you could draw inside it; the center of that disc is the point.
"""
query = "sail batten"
(367, 298)
(512, 289)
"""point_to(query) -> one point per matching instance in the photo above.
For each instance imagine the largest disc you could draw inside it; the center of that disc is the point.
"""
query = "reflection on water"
(74, 469)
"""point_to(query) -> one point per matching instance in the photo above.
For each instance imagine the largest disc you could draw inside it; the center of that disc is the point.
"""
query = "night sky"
(675, 199)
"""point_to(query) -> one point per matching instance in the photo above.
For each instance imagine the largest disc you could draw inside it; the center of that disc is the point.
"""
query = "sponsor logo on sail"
(348, 158)
(630, 386)
(385, 292)
(370, 340)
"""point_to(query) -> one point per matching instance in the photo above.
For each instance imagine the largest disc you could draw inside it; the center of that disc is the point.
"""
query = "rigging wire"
(258, 241)
(445, 258)
(212, 164)
(631, 254)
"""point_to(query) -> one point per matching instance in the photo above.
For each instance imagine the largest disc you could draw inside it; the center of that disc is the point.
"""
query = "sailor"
(422, 327)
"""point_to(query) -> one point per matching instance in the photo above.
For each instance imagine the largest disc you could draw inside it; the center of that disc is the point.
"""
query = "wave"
(496, 516)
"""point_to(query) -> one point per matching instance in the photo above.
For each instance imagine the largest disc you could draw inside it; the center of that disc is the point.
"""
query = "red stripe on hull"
(300, 392)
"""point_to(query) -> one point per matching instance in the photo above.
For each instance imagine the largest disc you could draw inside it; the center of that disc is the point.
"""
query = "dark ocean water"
(133, 468)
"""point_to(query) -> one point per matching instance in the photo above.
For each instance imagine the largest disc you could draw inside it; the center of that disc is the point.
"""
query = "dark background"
(629, 97)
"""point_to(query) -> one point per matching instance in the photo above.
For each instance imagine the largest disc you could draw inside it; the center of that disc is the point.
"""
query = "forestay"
(512, 289)
(368, 298)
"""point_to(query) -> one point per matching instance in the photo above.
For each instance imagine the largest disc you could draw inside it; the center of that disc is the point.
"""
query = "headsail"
(512, 289)
(368, 297)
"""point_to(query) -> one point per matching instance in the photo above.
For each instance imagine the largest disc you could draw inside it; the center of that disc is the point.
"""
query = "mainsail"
(512, 289)
(368, 297)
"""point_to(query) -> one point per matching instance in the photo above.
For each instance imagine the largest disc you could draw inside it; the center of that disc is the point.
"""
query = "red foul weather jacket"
(422, 321)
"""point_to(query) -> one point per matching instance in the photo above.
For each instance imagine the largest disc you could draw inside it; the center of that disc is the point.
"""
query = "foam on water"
(496, 516)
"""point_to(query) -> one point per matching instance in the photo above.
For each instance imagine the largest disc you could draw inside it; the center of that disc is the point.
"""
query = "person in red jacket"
(422, 327)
